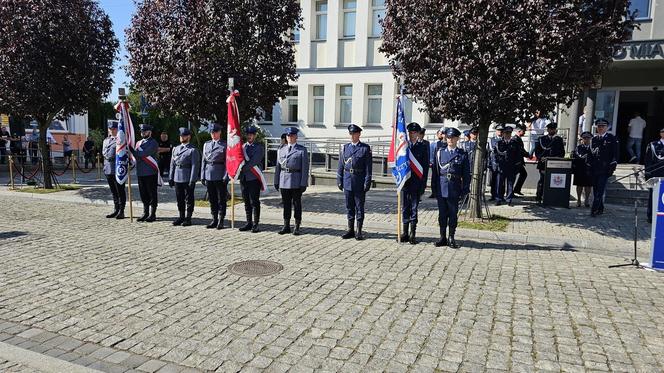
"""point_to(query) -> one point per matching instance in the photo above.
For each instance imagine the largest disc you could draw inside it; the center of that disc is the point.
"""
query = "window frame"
(345, 11)
(374, 10)
(374, 97)
(343, 98)
(316, 98)
(292, 95)
(648, 16)
(317, 16)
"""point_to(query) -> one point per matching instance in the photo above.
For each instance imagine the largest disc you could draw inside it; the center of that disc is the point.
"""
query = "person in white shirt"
(636, 127)
(537, 127)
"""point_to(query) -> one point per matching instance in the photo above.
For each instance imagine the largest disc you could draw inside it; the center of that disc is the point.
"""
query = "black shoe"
(518, 194)
(509, 203)
(213, 223)
(221, 223)
(179, 220)
(404, 233)
(412, 239)
(255, 229)
(350, 233)
(359, 235)
(285, 229)
(114, 213)
(442, 242)
(153, 215)
(120, 215)
(146, 213)
(247, 227)
(296, 231)
(452, 243)
(186, 222)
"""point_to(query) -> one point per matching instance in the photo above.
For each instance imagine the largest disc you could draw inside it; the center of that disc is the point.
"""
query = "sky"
(120, 12)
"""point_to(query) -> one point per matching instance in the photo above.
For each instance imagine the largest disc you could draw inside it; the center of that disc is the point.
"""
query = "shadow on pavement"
(12, 234)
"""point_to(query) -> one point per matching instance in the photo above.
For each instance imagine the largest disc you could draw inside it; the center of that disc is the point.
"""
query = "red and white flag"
(234, 152)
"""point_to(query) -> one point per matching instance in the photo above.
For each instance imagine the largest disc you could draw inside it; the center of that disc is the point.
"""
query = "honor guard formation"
(450, 164)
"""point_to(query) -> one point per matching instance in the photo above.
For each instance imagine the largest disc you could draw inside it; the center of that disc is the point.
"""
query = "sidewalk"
(567, 229)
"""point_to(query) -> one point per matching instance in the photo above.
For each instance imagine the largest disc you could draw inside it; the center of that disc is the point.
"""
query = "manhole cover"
(255, 268)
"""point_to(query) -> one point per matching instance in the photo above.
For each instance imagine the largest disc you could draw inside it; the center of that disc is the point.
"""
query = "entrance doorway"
(650, 104)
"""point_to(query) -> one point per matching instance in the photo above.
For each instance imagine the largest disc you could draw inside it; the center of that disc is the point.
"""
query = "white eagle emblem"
(233, 138)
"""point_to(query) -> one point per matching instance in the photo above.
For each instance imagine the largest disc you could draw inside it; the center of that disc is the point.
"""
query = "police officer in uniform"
(291, 177)
(433, 147)
(147, 172)
(452, 169)
(603, 162)
(470, 145)
(493, 175)
(506, 155)
(654, 165)
(413, 188)
(185, 165)
(522, 174)
(548, 145)
(250, 183)
(213, 176)
(582, 170)
(354, 179)
(117, 190)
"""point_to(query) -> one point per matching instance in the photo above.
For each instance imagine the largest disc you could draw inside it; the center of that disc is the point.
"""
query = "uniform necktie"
(289, 148)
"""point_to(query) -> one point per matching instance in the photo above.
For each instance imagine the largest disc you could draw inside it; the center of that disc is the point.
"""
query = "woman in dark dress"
(582, 177)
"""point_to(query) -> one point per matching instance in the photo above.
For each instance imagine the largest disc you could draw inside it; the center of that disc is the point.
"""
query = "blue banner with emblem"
(657, 236)
(401, 168)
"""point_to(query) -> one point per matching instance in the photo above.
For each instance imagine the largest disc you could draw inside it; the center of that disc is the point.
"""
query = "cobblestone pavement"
(166, 302)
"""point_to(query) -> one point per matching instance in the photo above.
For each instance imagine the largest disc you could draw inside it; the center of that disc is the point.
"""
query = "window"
(264, 115)
(319, 104)
(291, 102)
(375, 103)
(349, 18)
(377, 14)
(321, 20)
(641, 8)
(345, 104)
(295, 35)
(408, 109)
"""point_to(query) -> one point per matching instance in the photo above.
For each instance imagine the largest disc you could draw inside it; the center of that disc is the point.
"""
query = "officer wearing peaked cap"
(117, 190)
(251, 181)
(147, 172)
(452, 169)
(603, 162)
(493, 174)
(654, 165)
(433, 147)
(413, 188)
(213, 176)
(471, 144)
(291, 178)
(354, 174)
(549, 145)
(520, 163)
(506, 155)
(185, 166)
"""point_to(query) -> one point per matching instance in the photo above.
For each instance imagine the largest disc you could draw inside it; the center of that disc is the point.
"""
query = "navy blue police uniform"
(117, 189)
(251, 182)
(452, 169)
(470, 146)
(522, 174)
(654, 166)
(413, 188)
(603, 162)
(548, 146)
(354, 177)
(493, 174)
(506, 155)
(147, 172)
(214, 177)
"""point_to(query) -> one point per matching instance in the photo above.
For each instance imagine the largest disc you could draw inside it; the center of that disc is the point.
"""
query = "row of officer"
(506, 155)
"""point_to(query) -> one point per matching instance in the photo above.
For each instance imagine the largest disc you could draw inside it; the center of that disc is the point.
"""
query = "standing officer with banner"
(548, 145)
(414, 187)
(354, 179)
(452, 169)
(147, 171)
(603, 162)
(654, 166)
(252, 180)
(291, 177)
(213, 176)
(117, 189)
(507, 153)
(185, 165)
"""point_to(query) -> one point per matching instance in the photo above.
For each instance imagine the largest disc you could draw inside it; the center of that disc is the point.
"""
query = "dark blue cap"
(423, 130)
(251, 129)
(291, 131)
(215, 128)
(113, 125)
(508, 129)
(452, 132)
(354, 128)
(553, 125)
(602, 122)
(184, 131)
(145, 127)
(475, 130)
(466, 133)
(520, 127)
(414, 127)
(586, 134)
(499, 127)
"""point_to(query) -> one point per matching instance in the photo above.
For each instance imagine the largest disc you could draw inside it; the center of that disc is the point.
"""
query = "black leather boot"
(452, 242)
(116, 209)
(220, 225)
(350, 233)
(412, 239)
(286, 228)
(120, 215)
(257, 217)
(146, 213)
(214, 222)
(443, 239)
(153, 215)
(296, 231)
(359, 235)
(404, 233)
(187, 220)
(247, 226)
(179, 220)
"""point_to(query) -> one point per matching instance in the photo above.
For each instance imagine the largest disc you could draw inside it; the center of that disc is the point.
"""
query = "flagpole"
(231, 86)
(131, 208)
(398, 216)
(401, 90)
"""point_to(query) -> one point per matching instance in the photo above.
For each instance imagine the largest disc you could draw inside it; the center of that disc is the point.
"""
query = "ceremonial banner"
(234, 153)
(123, 141)
(657, 236)
(399, 145)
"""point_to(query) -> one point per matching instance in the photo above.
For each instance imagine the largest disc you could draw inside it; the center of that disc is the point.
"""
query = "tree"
(182, 52)
(497, 60)
(56, 59)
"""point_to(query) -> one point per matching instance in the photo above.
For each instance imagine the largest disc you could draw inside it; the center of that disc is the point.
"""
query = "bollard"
(11, 172)
(73, 167)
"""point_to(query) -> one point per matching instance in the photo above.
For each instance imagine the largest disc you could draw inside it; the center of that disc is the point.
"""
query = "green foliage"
(98, 137)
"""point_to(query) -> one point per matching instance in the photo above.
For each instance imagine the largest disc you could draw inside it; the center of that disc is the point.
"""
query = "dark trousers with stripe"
(147, 188)
(217, 195)
(117, 190)
(251, 194)
(292, 198)
(355, 204)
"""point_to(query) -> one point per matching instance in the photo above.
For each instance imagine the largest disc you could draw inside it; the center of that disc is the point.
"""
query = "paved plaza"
(114, 296)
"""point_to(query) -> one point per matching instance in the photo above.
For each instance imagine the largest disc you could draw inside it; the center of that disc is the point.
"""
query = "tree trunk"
(478, 169)
(47, 171)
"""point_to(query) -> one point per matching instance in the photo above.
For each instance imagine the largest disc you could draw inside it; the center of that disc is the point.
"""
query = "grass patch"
(61, 188)
(204, 203)
(496, 223)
